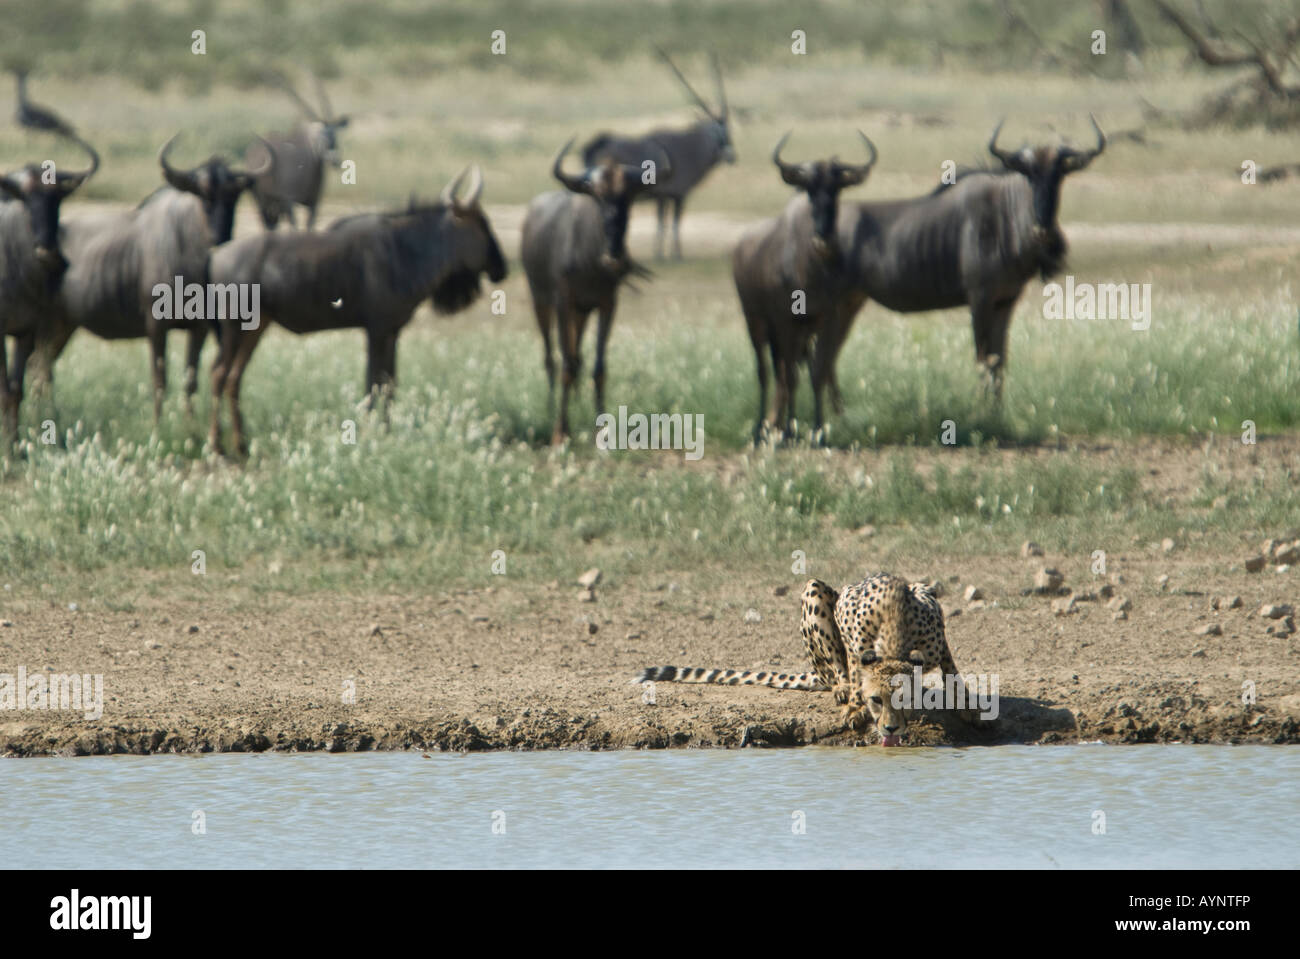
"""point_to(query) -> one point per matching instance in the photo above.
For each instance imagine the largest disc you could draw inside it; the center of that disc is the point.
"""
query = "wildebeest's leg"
(46, 347)
(545, 313)
(604, 321)
(158, 355)
(572, 323)
(996, 344)
(8, 401)
(779, 392)
(194, 348)
(239, 363)
(389, 372)
(677, 226)
(758, 338)
(288, 215)
(981, 318)
(661, 204)
(311, 216)
(227, 340)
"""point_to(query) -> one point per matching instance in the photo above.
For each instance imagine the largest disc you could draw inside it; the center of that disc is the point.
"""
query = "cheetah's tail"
(729, 677)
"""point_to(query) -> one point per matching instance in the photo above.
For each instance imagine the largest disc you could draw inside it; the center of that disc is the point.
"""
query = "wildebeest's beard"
(1051, 258)
(458, 290)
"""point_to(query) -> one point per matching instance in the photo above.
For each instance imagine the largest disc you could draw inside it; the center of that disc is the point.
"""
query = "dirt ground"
(520, 665)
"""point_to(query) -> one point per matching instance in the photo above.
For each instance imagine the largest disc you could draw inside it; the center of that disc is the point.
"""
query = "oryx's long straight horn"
(690, 154)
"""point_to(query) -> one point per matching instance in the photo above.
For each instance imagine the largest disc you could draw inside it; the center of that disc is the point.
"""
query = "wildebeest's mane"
(457, 290)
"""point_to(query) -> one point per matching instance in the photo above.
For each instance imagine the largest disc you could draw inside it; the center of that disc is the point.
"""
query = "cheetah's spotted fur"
(857, 640)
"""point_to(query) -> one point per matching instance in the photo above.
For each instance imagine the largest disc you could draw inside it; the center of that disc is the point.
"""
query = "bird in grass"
(36, 117)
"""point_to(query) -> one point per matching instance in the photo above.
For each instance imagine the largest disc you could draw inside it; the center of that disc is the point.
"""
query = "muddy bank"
(533, 666)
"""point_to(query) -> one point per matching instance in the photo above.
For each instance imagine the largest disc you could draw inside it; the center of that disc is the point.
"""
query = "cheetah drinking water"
(858, 641)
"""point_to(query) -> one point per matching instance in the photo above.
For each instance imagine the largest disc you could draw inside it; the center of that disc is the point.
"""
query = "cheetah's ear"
(915, 658)
(869, 657)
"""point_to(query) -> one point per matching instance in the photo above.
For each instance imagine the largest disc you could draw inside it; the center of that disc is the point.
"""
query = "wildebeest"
(37, 117)
(574, 253)
(31, 263)
(691, 152)
(298, 175)
(793, 284)
(118, 259)
(369, 271)
(975, 242)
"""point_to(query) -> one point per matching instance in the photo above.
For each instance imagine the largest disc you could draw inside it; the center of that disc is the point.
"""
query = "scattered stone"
(152, 644)
(780, 590)
(1030, 548)
(973, 593)
(1209, 629)
(976, 604)
(193, 630)
(674, 588)
(1106, 592)
(72, 607)
(1288, 554)
(1120, 616)
(867, 531)
(1220, 502)
(1199, 654)
(6, 623)
(1064, 606)
(375, 630)
(1120, 604)
(1167, 545)
(1214, 602)
(952, 614)
(587, 595)
(1256, 563)
(706, 617)
(1162, 582)
(478, 619)
(1232, 602)
(1048, 580)
(1116, 579)
(632, 636)
(590, 578)
(1284, 568)
(937, 589)
(592, 629)
(1275, 611)
(1269, 546)
(753, 616)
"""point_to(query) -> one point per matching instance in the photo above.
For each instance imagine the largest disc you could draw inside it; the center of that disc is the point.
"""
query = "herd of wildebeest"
(975, 240)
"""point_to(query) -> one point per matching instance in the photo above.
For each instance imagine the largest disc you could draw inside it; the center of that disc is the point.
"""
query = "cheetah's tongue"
(890, 740)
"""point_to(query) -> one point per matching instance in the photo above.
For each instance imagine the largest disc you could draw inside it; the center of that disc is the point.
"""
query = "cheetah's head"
(881, 681)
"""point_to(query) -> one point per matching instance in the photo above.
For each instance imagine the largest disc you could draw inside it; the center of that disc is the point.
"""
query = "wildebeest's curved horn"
(448, 195)
(578, 184)
(792, 173)
(853, 175)
(8, 186)
(475, 189)
(1011, 161)
(70, 181)
(180, 179)
(1073, 160)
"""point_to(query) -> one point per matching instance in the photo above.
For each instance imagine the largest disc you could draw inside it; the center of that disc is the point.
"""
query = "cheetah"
(858, 640)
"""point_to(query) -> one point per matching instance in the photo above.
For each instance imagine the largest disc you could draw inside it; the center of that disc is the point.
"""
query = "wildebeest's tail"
(729, 677)
(591, 152)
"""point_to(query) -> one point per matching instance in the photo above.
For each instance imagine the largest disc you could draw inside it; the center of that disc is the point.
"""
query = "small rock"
(1120, 604)
(1232, 602)
(973, 593)
(1167, 545)
(1063, 606)
(590, 578)
(674, 588)
(478, 619)
(375, 630)
(1209, 629)
(977, 604)
(706, 617)
(753, 616)
(1256, 563)
(6, 623)
(1106, 592)
(953, 614)
(1120, 616)
(632, 636)
(1048, 580)
(1284, 568)
(780, 590)
(1275, 611)
(867, 531)
(586, 595)
(592, 629)
(1030, 548)
(1162, 582)
(72, 607)
(1220, 502)
(152, 644)
(193, 630)
(1199, 654)
(1287, 554)
(1116, 579)
(937, 589)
